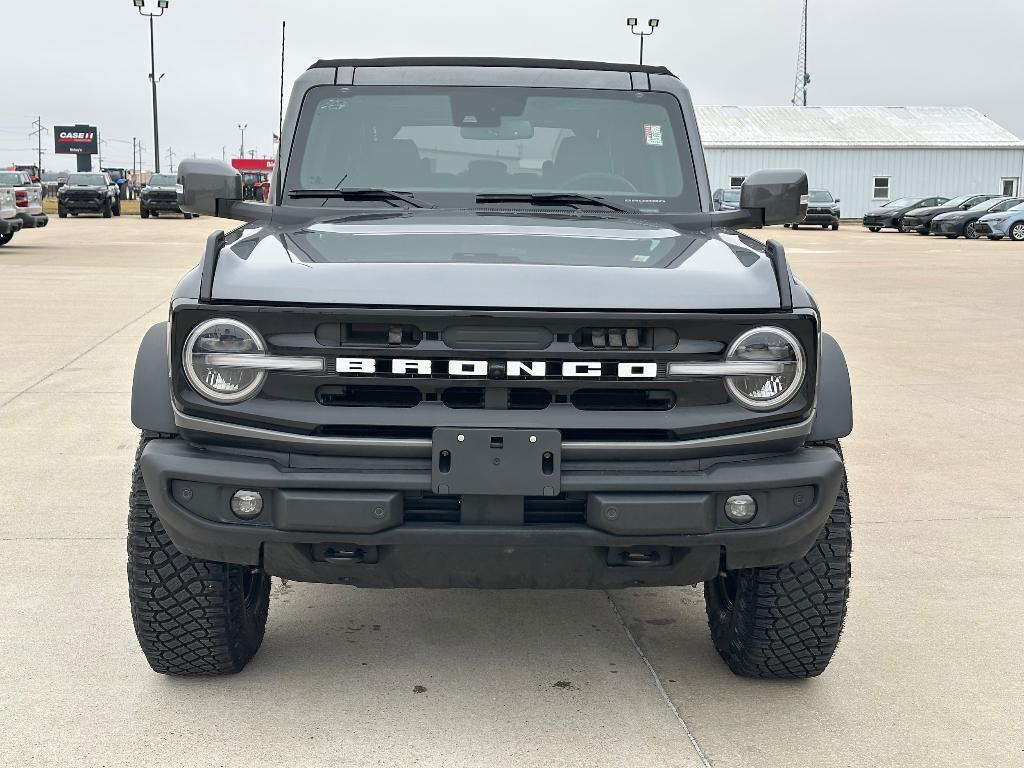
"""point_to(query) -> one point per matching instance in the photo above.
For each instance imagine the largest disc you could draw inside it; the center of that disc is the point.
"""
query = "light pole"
(632, 22)
(162, 5)
(241, 148)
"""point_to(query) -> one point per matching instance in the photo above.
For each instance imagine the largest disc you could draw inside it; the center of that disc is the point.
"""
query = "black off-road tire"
(107, 209)
(192, 617)
(785, 621)
(5, 239)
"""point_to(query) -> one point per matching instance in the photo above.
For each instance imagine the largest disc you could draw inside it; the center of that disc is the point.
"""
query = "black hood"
(498, 260)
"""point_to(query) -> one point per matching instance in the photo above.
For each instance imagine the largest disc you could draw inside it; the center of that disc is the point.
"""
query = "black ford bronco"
(488, 332)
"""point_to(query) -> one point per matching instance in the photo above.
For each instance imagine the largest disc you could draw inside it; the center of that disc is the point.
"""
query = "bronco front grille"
(618, 387)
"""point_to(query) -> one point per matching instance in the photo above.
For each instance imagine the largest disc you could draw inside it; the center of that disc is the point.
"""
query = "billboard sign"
(75, 139)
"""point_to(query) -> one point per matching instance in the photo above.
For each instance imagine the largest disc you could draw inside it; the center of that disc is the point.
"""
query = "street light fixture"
(163, 5)
(241, 149)
(632, 23)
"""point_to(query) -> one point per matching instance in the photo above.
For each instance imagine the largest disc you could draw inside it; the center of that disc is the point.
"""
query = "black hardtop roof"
(445, 61)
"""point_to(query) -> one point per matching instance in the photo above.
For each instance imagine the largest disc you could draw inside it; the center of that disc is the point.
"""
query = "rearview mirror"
(207, 186)
(775, 197)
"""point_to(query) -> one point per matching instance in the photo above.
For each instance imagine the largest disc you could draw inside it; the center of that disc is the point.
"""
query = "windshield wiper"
(549, 198)
(359, 193)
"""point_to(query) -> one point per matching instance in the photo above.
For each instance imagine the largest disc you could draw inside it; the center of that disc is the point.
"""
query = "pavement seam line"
(657, 682)
(79, 356)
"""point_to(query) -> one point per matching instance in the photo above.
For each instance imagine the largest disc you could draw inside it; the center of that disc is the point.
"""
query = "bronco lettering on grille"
(511, 369)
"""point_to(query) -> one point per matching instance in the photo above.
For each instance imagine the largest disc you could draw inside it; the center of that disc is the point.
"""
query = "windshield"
(820, 196)
(446, 145)
(985, 205)
(731, 196)
(91, 179)
(903, 202)
(956, 202)
(163, 180)
(1017, 207)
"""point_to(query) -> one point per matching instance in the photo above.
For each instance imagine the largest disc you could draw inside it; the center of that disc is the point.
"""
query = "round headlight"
(206, 358)
(764, 392)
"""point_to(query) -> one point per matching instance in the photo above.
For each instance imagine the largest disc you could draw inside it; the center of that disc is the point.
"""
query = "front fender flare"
(151, 384)
(834, 415)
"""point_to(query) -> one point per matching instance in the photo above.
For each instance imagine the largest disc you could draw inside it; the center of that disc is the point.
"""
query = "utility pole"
(632, 22)
(224, 154)
(153, 79)
(170, 159)
(803, 79)
(38, 133)
(241, 147)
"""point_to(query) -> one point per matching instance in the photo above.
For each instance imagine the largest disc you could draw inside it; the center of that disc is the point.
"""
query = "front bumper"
(946, 227)
(882, 222)
(820, 218)
(157, 204)
(374, 521)
(915, 224)
(33, 220)
(999, 228)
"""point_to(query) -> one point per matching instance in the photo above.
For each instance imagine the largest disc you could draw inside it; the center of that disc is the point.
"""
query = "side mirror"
(207, 186)
(837, 201)
(775, 197)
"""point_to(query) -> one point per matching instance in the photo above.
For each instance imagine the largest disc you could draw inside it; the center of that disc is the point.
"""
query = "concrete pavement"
(928, 672)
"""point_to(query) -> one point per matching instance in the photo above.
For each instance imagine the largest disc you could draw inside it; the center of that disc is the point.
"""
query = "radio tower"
(802, 78)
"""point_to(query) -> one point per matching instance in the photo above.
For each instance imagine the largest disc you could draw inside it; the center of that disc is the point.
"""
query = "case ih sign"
(75, 139)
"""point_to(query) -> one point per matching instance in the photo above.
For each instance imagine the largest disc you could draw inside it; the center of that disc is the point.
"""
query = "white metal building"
(865, 155)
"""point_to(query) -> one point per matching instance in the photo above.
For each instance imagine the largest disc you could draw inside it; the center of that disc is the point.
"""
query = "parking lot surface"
(928, 672)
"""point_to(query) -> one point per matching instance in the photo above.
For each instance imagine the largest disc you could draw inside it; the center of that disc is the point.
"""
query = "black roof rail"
(472, 61)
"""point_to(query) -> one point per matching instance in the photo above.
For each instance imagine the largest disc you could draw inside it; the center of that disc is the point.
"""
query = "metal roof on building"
(851, 127)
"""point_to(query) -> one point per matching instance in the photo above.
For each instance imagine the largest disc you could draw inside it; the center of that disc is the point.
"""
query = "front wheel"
(785, 621)
(874, 229)
(143, 211)
(107, 210)
(187, 216)
(952, 237)
(5, 239)
(901, 227)
(971, 231)
(62, 212)
(117, 207)
(1017, 232)
(923, 234)
(192, 617)
(794, 226)
(835, 227)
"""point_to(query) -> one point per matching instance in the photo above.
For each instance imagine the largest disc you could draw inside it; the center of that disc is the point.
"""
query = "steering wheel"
(602, 176)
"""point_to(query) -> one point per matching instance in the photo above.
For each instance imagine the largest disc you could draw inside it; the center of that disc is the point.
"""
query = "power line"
(38, 133)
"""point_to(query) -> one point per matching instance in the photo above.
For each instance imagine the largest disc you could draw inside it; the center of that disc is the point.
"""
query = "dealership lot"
(928, 672)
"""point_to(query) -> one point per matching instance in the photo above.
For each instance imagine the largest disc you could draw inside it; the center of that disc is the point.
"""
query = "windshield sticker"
(652, 133)
(641, 257)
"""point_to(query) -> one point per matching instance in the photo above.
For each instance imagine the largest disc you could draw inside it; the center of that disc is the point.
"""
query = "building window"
(881, 188)
(735, 182)
(1010, 186)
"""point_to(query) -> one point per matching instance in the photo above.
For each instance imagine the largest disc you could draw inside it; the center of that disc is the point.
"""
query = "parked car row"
(822, 208)
(970, 216)
(21, 204)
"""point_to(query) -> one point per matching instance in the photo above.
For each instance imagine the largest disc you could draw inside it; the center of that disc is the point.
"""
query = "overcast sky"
(222, 57)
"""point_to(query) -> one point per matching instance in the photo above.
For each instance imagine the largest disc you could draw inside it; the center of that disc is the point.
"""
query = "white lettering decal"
(638, 370)
(356, 365)
(582, 370)
(467, 368)
(422, 367)
(519, 368)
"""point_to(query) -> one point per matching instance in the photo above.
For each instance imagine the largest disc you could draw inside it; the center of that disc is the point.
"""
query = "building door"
(1010, 186)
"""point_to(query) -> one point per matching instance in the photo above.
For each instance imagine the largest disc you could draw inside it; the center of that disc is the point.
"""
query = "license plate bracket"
(496, 462)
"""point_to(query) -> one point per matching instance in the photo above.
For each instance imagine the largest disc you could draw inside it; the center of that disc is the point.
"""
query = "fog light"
(741, 508)
(247, 504)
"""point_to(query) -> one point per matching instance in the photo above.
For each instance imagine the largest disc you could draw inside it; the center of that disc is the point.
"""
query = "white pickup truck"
(9, 221)
(28, 198)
